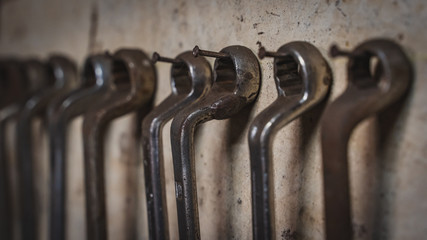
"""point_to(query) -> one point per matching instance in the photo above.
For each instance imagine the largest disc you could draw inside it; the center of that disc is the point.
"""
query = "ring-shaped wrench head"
(390, 76)
(370, 89)
(190, 75)
(303, 72)
(238, 77)
(63, 72)
(140, 74)
(13, 88)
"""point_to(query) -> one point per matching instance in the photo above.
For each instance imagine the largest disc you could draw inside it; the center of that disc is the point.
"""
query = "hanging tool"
(191, 78)
(302, 79)
(13, 90)
(59, 76)
(133, 83)
(367, 93)
(60, 113)
(236, 84)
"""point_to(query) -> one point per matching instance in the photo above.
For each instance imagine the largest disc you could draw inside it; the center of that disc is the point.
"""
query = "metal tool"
(236, 84)
(191, 78)
(133, 83)
(367, 93)
(93, 88)
(302, 79)
(59, 74)
(13, 90)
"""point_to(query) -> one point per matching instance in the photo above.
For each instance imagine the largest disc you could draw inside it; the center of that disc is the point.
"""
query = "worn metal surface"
(93, 88)
(394, 170)
(59, 74)
(302, 79)
(13, 92)
(133, 78)
(191, 78)
(236, 84)
(372, 86)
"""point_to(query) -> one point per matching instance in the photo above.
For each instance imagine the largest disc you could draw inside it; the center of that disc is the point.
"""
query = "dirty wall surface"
(387, 155)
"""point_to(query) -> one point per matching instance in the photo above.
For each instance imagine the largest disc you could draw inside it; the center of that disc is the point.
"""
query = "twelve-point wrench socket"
(61, 76)
(93, 88)
(191, 78)
(236, 84)
(133, 83)
(13, 92)
(366, 94)
(302, 79)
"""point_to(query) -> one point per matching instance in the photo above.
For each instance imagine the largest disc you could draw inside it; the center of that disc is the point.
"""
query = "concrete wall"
(388, 168)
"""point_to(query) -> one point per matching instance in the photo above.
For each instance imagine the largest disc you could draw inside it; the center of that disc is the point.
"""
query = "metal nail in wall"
(191, 78)
(236, 84)
(368, 92)
(133, 82)
(302, 79)
(112, 85)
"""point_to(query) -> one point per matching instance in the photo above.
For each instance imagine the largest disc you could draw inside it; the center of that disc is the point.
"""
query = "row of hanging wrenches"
(114, 85)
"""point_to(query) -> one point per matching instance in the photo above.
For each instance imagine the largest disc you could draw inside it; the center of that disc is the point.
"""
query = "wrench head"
(383, 65)
(190, 76)
(302, 72)
(236, 81)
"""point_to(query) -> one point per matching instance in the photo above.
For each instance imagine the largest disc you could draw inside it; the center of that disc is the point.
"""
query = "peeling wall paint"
(388, 162)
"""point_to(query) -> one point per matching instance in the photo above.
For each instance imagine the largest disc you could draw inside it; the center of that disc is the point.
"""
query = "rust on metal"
(133, 83)
(13, 92)
(302, 79)
(236, 84)
(58, 76)
(93, 87)
(370, 89)
(191, 78)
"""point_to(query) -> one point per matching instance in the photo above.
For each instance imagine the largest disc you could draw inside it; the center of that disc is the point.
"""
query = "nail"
(335, 51)
(156, 57)
(262, 53)
(197, 51)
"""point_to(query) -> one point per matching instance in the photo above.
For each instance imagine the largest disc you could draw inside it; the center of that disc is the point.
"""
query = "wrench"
(191, 78)
(60, 76)
(366, 94)
(302, 79)
(13, 93)
(93, 87)
(133, 83)
(236, 84)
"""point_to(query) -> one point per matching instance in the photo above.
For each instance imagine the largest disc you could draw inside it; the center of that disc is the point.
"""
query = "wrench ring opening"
(288, 76)
(367, 70)
(225, 74)
(121, 75)
(181, 78)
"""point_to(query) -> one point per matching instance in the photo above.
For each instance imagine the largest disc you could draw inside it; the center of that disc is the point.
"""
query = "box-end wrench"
(60, 76)
(13, 91)
(60, 113)
(236, 84)
(366, 94)
(191, 78)
(302, 79)
(133, 83)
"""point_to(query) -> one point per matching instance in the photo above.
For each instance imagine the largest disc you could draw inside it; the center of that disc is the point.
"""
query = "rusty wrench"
(302, 79)
(236, 84)
(366, 94)
(93, 88)
(60, 74)
(191, 78)
(133, 77)
(13, 93)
